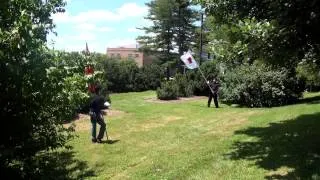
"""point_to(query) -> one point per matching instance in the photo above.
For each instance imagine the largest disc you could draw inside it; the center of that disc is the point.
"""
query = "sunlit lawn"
(187, 140)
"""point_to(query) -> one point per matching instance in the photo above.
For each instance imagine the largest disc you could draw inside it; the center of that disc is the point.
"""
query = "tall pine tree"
(172, 29)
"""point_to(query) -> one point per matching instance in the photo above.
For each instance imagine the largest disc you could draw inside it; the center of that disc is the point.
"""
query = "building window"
(137, 55)
(112, 55)
(129, 55)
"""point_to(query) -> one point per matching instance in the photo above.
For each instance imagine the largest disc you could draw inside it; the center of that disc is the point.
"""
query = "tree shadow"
(310, 100)
(293, 146)
(61, 165)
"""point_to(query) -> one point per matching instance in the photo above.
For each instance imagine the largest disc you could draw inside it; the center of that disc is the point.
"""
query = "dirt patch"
(282, 171)
(82, 122)
(154, 124)
(180, 100)
(113, 112)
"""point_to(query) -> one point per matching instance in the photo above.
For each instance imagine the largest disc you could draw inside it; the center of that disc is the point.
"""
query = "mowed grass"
(186, 140)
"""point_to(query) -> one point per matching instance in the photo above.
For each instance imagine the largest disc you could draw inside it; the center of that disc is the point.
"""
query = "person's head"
(215, 80)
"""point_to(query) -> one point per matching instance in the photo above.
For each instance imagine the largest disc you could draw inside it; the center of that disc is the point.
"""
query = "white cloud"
(127, 10)
(95, 16)
(132, 10)
(93, 47)
(83, 36)
(61, 17)
(133, 29)
(105, 29)
(85, 26)
(92, 27)
(121, 42)
(145, 23)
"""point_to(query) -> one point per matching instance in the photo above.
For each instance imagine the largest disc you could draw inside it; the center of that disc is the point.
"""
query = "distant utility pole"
(201, 29)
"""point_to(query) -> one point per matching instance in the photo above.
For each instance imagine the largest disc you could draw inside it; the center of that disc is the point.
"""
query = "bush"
(185, 85)
(210, 69)
(310, 72)
(120, 75)
(168, 91)
(259, 86)
(126, 76)
(149, 77)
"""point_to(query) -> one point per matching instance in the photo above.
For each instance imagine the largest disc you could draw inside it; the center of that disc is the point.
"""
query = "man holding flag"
(191, 63)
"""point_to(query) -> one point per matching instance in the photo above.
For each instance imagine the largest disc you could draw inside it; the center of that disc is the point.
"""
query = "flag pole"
(206, 80)
(190, 62)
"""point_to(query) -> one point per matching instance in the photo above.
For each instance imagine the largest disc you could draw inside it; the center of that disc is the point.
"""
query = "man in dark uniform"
(96, 115)
(214, 84)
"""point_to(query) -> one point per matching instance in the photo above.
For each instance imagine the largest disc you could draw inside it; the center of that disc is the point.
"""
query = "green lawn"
(187, 140)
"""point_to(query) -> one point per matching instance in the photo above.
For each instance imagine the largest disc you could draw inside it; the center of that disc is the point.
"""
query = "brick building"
(125, 53)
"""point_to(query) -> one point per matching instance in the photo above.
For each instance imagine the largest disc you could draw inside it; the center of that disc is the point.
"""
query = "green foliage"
(260, 86)
(244, 41)
(294, 26)
(185, 86)
(149, 77)
(309, 72)
(120, 75)
(172, 27)
(169, 90)
(190, 83)
(210, 70)
(243, 34)
(39, 89)
(126, 76)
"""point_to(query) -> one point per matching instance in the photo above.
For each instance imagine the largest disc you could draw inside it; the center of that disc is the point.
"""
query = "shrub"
(259, 86)
(185, 85)
(126, 76)
(210, 69)
(168, 91)
(310, 72)
(120, 75)
(149, 77)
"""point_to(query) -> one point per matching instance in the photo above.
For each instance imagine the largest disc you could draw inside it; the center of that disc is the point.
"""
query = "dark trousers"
(97, 118)
(215, 99)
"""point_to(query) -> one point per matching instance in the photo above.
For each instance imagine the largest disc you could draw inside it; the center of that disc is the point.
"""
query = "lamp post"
(201, 36)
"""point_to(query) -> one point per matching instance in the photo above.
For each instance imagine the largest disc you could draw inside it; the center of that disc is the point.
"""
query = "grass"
(187, 140)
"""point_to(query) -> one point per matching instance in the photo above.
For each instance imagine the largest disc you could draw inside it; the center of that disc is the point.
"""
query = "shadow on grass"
(293, 146)
(62, 165)
(310, 100)
(110, 141)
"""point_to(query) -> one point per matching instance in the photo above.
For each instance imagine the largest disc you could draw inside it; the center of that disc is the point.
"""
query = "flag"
(189, 61)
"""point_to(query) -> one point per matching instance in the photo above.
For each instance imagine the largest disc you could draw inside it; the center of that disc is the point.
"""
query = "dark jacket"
(214, 86)
(97, 104)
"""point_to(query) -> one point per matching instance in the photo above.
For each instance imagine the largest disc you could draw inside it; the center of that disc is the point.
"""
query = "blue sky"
(100, 23)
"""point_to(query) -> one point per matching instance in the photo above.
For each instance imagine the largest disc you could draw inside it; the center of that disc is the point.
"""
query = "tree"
(36, 94)
(184, 30)
(295, 26)
(266, 39)
(159, 36)
(172, 27)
